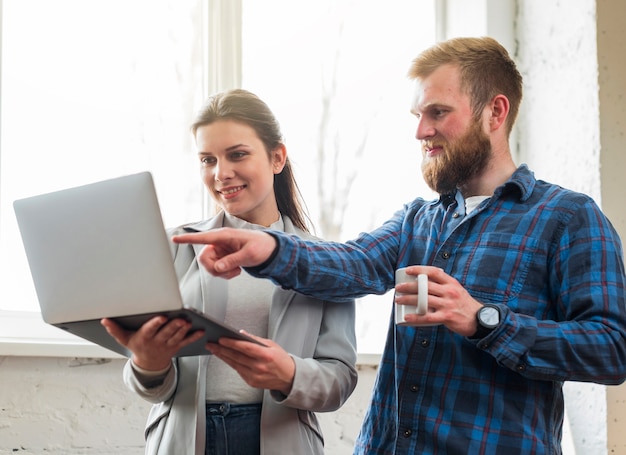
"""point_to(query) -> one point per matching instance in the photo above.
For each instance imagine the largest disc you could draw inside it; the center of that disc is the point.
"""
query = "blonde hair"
(486, 70)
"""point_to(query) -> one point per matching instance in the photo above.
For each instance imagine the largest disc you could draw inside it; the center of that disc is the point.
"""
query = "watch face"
(489, 316)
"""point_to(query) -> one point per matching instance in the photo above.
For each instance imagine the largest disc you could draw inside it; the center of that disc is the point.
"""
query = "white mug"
(422, 297)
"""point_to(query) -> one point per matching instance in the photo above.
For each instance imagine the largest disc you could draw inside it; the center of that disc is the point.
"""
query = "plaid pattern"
(552, 262)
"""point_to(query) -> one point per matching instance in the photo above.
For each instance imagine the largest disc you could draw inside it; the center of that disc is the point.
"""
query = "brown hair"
(486, 68)
(245, 107)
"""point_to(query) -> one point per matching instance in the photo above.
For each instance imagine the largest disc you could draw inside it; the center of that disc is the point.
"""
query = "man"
(525, 279)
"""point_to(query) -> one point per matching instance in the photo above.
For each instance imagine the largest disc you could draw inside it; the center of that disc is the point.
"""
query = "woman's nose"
(223, 171)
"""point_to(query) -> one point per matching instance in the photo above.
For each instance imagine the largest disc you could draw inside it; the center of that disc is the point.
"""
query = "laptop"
(101, 250)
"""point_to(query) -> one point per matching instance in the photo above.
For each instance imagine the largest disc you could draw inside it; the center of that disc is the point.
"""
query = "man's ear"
(499, 112)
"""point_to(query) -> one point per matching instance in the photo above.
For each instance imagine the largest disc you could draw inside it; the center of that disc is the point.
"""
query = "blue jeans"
(233, 429)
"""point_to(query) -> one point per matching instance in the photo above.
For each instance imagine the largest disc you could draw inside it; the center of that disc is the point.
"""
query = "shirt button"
(425, 343)
(407, 433)
(414, 388)
(445, 255)
(521, 367)
(455, 215)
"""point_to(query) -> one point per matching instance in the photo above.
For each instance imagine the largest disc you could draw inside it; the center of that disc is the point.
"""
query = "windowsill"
(368, 360)
(24, 334)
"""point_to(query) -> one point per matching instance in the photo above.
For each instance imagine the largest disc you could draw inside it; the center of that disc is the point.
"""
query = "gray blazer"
(318, 334)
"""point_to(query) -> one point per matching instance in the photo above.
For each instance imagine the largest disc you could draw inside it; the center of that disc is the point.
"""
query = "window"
(92, 90)
(334, 72)
(84, 100)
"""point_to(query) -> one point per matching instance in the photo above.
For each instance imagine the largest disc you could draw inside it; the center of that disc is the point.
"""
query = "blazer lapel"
(281, 298)
(214, 290)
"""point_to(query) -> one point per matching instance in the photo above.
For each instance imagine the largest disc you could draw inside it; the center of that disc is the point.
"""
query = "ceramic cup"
(422, 296)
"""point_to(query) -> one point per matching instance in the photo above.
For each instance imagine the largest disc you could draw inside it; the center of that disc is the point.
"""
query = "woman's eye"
(237, 155)
(207, 160)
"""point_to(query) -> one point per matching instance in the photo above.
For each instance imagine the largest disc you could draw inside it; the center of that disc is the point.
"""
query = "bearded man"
(526, 285)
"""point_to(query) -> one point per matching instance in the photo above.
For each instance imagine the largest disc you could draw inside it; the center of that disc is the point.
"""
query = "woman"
(246, 398)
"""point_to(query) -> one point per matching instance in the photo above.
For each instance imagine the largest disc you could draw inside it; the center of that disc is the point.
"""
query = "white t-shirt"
(248, 308)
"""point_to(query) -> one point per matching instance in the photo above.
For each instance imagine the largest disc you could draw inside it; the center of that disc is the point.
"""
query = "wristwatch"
(488, 318)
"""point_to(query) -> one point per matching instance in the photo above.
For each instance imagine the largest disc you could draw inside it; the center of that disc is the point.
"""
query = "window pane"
(94, 90)
(334, 72)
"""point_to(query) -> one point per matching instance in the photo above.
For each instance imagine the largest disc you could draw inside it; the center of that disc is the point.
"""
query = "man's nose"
(425, 129)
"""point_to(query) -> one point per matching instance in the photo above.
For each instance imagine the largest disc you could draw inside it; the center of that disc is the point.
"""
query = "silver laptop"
(101, 250)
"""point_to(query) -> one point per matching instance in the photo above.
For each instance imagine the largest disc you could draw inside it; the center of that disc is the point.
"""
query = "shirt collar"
(233, 221)
(447, 199)
(521, 182)
(223, 219)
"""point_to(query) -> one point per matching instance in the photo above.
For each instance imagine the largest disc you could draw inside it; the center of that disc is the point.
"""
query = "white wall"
(67, 406)
(80, 406)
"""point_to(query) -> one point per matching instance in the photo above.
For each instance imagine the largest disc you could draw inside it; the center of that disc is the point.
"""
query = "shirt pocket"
(497, 267)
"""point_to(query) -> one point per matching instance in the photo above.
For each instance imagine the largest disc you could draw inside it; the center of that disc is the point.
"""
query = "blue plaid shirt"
(546, 256)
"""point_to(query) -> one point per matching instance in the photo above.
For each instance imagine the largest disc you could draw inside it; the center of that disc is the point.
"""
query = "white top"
(248, 308)
(472, 202)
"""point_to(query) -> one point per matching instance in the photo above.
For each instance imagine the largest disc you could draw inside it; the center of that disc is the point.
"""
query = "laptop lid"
(98, 250)
(101, 250)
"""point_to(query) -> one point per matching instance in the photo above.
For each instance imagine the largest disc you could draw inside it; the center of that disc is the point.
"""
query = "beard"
(461, 159)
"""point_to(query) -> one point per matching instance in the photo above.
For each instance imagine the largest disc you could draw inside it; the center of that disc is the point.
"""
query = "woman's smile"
(231, 191)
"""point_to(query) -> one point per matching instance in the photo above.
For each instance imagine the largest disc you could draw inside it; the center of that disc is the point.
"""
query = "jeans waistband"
(225, 409)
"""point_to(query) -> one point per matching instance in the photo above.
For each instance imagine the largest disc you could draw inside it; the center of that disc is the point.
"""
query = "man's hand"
(227, 249)
(448, 302)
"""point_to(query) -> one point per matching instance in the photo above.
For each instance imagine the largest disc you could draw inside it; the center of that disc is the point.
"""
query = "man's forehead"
(440, 88)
